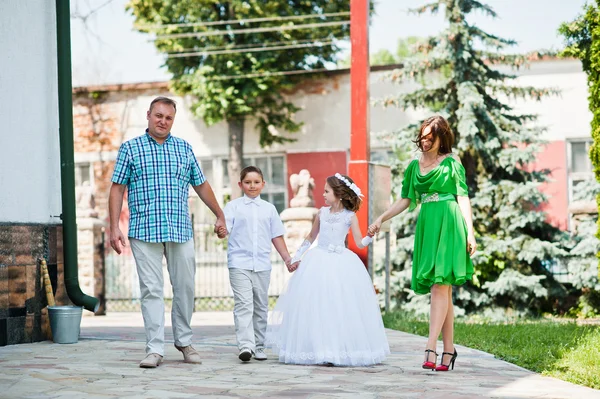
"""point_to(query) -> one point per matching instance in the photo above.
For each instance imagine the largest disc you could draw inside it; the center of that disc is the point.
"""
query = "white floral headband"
(351, 186)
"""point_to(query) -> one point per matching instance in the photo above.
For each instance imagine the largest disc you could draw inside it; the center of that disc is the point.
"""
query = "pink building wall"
(554, 158)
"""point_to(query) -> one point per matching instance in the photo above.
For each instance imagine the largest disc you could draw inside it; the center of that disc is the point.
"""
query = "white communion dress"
(329, 312)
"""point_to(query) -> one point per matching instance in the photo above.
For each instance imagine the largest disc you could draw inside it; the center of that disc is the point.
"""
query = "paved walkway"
(104, 364)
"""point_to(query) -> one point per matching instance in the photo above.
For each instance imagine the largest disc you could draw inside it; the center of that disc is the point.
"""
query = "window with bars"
(83, 174)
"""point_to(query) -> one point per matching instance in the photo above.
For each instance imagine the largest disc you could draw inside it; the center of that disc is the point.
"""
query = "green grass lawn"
(559, 349)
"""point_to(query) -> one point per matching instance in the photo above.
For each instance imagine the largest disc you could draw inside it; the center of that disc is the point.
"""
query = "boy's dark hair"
(349, 199)
(250, 169)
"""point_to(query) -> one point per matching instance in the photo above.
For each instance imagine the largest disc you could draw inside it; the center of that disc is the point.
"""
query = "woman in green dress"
(444, 238)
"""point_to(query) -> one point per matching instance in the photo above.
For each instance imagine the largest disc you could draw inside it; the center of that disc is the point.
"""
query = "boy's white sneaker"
(260, 354)
(245, 355)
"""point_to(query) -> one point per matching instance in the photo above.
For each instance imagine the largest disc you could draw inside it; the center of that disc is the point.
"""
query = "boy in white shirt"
(253, 224)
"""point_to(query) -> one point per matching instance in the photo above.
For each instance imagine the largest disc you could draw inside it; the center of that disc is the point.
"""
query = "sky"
(106, 49)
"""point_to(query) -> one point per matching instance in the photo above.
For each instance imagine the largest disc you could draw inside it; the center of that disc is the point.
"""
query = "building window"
(273, 168)
(579, 163)
(206, 165)
(383, 156)
(215, 172)
(83, 175)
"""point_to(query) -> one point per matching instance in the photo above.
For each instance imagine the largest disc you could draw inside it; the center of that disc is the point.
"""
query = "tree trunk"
(236, 155)
(468, 162)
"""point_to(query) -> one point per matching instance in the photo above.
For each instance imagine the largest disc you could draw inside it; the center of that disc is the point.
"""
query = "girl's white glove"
(366, 241)
(303, 248)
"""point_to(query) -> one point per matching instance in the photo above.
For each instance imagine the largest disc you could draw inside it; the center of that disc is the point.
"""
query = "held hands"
(220, 228)
(291, 266)
(222, 232)
(374, 228)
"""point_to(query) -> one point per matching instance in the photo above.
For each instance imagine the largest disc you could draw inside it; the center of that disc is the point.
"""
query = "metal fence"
(212, 287)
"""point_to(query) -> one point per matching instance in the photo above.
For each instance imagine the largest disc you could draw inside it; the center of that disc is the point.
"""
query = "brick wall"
(96, 122)
(23, 312)
(96, 130)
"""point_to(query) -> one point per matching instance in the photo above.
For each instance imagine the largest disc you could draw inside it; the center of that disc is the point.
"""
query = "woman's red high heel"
(444, 367)
(427, 364)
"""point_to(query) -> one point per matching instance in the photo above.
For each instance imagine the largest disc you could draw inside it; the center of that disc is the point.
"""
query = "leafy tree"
(404, 51)
(382, 57)
(406, 47)
(496, 145)
(239, 86)
(583, 42)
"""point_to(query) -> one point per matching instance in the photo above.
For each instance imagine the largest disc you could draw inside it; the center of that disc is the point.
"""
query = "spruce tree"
(459, 75)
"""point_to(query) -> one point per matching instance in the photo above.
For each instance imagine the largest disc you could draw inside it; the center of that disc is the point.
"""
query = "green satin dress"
(440, 254)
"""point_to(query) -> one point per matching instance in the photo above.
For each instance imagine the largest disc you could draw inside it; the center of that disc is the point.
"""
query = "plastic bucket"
(64, 323)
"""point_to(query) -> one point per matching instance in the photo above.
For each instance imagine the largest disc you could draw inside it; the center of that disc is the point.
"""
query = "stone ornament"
(302, 186)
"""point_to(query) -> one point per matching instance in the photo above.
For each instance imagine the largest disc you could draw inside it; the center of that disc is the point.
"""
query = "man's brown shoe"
(151, 361)
(190, 355)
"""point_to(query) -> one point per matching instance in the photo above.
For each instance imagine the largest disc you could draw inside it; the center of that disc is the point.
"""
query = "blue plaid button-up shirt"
(158, 178)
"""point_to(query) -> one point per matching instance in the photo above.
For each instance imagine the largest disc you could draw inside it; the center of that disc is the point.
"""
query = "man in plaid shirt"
(157, 169)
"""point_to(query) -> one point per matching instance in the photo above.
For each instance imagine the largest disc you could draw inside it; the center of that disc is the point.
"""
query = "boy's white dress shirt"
(252, 224)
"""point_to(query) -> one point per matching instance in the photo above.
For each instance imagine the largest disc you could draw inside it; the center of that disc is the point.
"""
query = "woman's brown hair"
(349, 199)
(440, 128)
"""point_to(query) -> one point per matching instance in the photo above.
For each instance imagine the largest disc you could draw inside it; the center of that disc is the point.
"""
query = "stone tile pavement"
(104, 364)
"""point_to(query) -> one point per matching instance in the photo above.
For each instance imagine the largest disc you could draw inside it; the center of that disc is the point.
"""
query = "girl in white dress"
(329, 313)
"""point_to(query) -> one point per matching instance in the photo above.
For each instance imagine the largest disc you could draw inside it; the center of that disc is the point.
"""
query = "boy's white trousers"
(250, 313)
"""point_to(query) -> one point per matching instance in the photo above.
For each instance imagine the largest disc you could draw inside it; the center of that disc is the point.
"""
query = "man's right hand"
(117, 240)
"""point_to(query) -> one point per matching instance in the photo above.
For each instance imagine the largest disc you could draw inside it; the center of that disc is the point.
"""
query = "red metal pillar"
(360, 149)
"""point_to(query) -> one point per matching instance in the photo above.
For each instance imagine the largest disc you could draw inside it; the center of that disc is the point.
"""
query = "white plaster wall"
(566, 116)
(29, 147)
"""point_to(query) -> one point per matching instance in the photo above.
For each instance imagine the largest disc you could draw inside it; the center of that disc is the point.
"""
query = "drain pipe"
(67, 162)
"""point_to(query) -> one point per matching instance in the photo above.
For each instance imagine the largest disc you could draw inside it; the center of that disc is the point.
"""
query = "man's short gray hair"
(163, 100)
